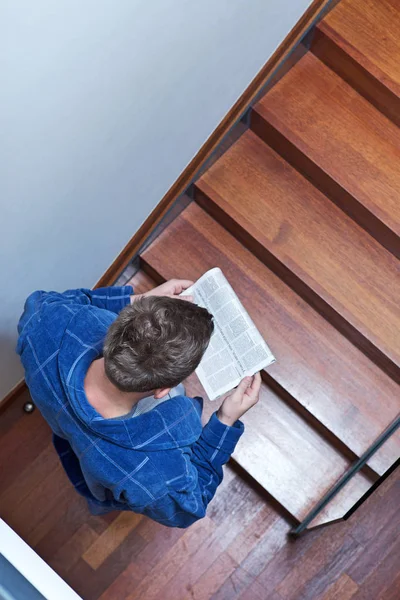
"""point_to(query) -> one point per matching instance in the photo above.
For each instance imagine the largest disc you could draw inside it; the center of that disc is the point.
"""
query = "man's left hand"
(171, 288)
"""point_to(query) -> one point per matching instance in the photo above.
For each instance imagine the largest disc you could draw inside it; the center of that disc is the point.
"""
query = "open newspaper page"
(236, 348)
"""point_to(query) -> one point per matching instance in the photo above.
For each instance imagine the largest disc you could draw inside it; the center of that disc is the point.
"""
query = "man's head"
(155, 343)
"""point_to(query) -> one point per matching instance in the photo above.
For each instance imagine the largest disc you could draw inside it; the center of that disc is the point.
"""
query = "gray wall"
(103, 104)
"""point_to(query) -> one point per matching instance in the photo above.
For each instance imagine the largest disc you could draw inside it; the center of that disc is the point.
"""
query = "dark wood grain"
(308, 241)
(341, 142)
(360, 40)
(24, 440)
(71, 520)
(327, 46)
(17, 392)
(102, 546)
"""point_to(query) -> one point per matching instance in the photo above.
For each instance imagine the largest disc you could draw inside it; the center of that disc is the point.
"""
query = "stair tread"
(318, 366)
(292, 461)
(340, 132)
(368, 30)
(337, 507)
(283, 215)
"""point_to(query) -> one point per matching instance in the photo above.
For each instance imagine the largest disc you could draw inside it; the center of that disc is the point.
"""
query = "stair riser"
(337, 59)
(298, 284)
(350, 205)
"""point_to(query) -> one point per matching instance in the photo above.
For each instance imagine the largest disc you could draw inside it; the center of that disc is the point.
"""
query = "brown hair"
(156, 342)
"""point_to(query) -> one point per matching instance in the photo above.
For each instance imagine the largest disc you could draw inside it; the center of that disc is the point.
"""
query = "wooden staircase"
(302, 214)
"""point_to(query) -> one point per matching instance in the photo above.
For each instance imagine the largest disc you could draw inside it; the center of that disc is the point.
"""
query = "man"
(105, 368)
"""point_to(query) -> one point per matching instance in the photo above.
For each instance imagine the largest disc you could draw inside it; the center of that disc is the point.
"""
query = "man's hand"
(171, 288)
(240, 400)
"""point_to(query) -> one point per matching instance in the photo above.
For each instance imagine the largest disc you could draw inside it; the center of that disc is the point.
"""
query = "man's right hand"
(240, 400)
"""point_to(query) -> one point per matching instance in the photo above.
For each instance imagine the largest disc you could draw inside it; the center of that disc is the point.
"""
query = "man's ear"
(161, 392)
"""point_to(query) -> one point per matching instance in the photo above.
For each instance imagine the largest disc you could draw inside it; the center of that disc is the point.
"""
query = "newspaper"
(236, 348)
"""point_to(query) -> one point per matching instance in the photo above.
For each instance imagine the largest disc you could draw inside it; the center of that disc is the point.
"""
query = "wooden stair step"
(317, 366)
(292, 461)
(337, 507)
(310, 243)
(359, 39)
(282, 452)
(286, 464)
(342, 143)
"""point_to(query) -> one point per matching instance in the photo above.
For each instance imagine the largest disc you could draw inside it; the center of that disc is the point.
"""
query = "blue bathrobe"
(162, 463)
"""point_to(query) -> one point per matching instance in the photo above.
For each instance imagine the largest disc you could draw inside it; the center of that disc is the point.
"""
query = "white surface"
(102, 106)
(32, 567)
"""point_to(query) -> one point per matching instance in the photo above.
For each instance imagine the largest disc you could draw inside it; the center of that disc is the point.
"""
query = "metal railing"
(348, 475)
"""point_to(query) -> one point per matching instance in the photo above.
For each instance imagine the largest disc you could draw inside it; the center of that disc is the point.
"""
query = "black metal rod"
(371, 490)
(345, 478)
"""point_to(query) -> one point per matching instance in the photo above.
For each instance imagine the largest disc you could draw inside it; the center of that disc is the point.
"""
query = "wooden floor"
(239, 551)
